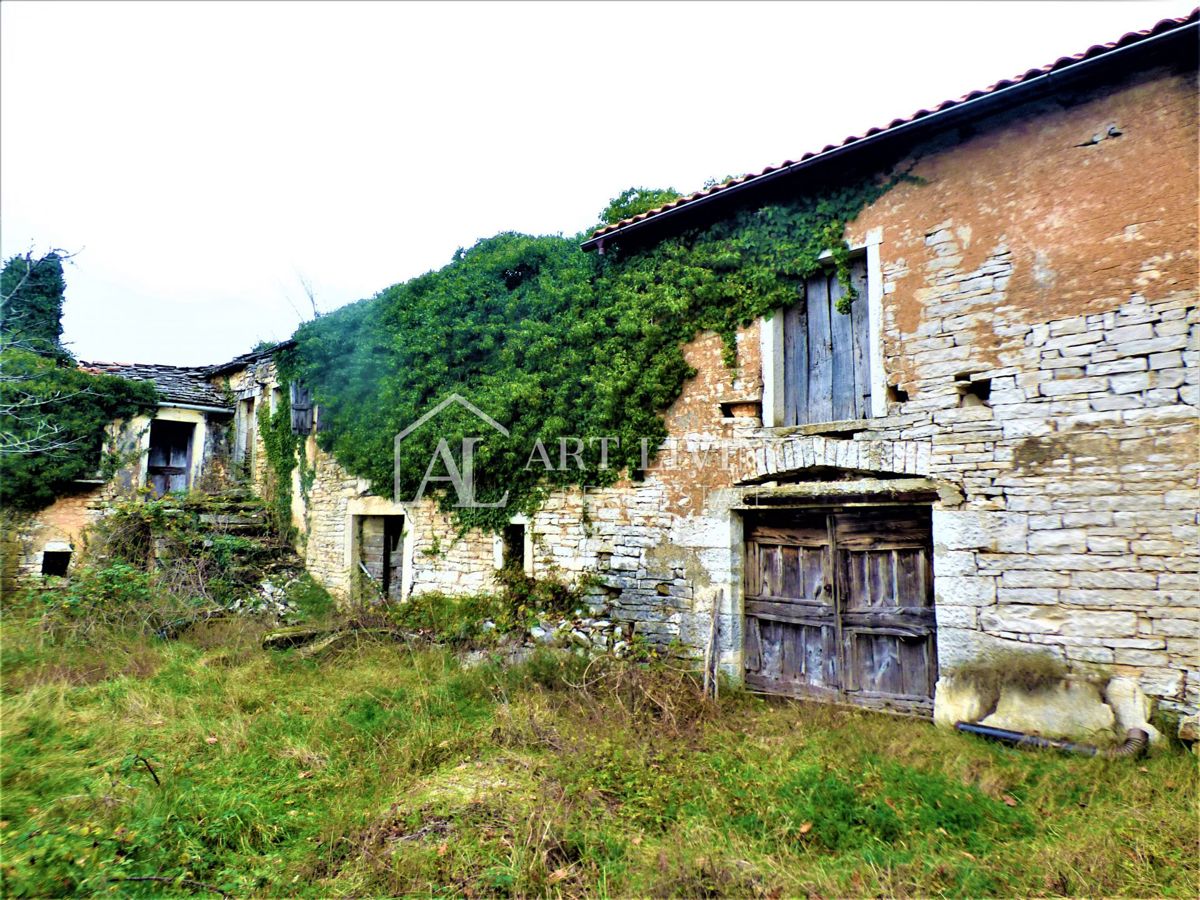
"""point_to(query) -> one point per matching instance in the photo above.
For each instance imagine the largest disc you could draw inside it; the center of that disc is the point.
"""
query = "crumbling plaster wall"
(1061, 273)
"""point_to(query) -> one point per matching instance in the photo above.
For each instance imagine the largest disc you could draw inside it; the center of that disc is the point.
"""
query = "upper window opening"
(826, 355)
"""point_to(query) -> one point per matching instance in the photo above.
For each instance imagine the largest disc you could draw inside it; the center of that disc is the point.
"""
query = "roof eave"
(976, 107)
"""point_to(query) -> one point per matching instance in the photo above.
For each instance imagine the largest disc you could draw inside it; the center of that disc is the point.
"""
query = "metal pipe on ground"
(1134, 746)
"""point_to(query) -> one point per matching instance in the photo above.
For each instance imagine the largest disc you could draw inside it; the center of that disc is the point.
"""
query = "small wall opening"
(56, 562)
(972, 390)
(513, 547)
(896, 394)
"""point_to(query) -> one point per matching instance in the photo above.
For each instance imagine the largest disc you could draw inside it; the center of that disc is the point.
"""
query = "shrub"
(520, 602)
(1028, 671)
(100, 598)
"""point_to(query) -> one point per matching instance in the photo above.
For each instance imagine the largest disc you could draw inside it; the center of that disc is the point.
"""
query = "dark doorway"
(513, 552)
(56, 562)
(170, 459)
(839, 605)
(381, 554)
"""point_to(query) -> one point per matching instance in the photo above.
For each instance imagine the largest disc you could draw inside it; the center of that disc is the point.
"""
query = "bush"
(455, 620)
(520, 602)
(1029, 671)
(100, 598)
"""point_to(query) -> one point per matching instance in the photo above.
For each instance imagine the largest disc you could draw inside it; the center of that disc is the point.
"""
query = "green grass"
(386, 771)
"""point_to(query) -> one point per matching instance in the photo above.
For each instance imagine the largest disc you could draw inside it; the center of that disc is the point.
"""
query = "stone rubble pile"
(271, 600)
(590, 632)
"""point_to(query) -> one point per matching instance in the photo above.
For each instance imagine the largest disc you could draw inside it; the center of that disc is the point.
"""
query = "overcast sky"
(205, 160)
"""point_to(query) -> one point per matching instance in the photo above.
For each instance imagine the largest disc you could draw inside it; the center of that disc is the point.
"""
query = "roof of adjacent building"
(249, 359)
(187, 385)
(1022, 83)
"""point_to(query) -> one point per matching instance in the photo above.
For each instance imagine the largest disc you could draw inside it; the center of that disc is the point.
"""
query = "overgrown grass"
(387, 770)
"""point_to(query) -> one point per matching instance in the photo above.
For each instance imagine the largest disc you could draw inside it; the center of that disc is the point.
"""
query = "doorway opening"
(168, 466)
(839, 606)
(380, 542)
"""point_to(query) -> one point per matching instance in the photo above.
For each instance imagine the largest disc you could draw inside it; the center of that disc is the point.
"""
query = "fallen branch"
(319, 639)
(149, 768)
(172, 630)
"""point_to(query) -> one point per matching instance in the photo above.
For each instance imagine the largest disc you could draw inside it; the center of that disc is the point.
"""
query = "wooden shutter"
(827, 375)
(302, 408)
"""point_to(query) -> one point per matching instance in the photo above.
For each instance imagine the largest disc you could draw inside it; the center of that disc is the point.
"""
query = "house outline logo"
(461, 401)
(462, 479)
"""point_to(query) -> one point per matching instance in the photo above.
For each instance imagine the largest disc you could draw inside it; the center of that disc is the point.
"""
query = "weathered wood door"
(170, 456)
(839, 605)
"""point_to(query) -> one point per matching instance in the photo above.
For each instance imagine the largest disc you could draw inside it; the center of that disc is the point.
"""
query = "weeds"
(1029, 671)
(154, 767)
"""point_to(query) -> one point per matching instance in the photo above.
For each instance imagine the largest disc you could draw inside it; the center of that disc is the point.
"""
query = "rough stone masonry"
(1060, 278)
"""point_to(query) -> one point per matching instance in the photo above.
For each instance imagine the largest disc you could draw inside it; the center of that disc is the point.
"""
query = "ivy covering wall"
(553, 342)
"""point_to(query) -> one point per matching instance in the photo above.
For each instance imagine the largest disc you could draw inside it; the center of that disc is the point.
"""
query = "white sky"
(204, 158)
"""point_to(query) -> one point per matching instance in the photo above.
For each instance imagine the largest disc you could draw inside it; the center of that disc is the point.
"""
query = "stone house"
(181, 446)
(199, 437)
(995, 451)
(1009, 463)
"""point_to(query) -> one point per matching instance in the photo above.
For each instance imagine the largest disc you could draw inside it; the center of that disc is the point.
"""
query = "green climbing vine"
(575, 354)
(283, 449)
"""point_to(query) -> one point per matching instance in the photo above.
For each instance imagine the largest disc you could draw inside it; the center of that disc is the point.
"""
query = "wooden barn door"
(791, 622)
(839, 604)
(885, 599)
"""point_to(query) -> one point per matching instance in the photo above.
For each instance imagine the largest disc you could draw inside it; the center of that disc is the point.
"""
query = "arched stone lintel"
(793, 457)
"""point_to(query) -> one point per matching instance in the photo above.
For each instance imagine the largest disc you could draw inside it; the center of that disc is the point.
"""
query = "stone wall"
(1039, 334)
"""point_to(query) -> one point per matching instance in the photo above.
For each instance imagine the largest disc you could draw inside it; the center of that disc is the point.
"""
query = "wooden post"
(710, 649)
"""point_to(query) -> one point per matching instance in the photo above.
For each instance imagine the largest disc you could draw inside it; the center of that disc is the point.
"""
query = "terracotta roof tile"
(1062, 62)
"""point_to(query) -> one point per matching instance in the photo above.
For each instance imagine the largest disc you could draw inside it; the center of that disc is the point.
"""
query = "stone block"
(1130, 382)
(1107, 544)
(1147, 658)
(960, 645)
(964, 590)
(1172, 359)
(1109, 624)
(1034, 578)
(1161, 681)
(983, 530)
(957, 700)
(1072, 709)
(1118, 366)
(1129, 333)
(1118, 580)
(1189, 727)
(1059, 540)
(1184, 628)
(1068, 386)
(1027, 595)
(1024, 619)
(954, 562)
